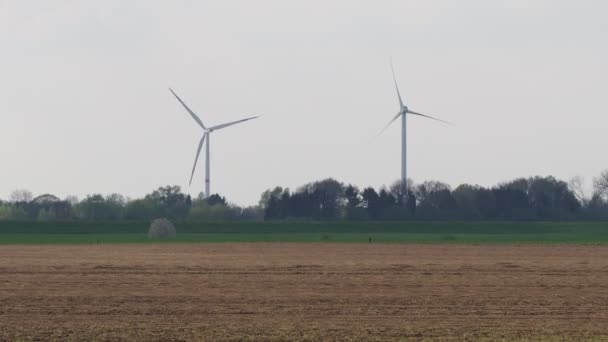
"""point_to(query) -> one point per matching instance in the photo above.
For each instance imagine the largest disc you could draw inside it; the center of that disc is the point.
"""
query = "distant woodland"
(530, 199)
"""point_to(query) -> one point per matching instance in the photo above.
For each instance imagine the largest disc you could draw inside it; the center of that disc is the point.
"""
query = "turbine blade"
(231, 123)
(389, 123)
(198, 152)
(428, 116)
(196, 118)
(401, 105)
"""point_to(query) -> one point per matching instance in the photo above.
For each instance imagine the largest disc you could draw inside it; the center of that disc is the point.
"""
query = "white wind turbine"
(403, 112)
(207, 136)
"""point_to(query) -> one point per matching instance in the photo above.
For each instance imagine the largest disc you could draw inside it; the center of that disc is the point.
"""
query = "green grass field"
(73, 232)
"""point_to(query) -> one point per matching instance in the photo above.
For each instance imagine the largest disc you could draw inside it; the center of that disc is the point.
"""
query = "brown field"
(310, 292)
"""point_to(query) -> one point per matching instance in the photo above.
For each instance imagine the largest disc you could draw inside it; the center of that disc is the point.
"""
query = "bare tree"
(21, 195)
(397, 189)
(577, 186)
(600, 185)
(72, 199)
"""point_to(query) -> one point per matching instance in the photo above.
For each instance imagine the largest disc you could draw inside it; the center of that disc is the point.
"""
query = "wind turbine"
(206, 136)
(404, 111)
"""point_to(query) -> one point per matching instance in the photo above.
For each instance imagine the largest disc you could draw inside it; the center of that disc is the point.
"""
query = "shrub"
(161, 229)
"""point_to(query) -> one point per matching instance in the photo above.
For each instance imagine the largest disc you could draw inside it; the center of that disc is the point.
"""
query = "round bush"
(161, 229)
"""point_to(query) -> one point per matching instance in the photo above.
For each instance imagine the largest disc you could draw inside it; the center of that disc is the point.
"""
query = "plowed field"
(311, 292)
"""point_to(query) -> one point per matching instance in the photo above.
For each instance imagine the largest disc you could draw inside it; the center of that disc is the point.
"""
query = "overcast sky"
(84, 104)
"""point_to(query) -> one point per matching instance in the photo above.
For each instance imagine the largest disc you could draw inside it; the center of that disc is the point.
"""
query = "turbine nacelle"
(403, 109)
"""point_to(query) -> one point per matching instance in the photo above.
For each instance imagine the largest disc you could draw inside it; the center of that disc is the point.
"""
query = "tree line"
(168, 201)
(533, 198)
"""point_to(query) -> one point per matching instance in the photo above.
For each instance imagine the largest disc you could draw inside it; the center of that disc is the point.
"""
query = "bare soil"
(364, 292)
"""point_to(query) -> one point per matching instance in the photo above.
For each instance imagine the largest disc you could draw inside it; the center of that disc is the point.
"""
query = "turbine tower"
(206, 136)
(403, 113)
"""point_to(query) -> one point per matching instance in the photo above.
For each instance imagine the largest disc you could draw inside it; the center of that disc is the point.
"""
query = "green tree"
(142, 209)
(466, 197)
(268, 194)
(327, 196)
(97, 207)
(216, 199)
(353, 199)
(371, 202)
(354, 205)
(171, 202)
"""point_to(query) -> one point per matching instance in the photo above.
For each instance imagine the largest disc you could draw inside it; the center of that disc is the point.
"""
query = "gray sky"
(84, 104)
